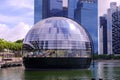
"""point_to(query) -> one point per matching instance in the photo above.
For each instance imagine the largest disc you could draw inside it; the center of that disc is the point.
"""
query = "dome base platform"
(32, 63)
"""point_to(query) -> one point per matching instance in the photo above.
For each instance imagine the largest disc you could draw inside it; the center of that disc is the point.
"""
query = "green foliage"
(19, 41)
(106, 57)
(14, 46)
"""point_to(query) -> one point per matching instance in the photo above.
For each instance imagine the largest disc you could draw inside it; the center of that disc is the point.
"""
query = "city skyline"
(109, 41)
(15, 14)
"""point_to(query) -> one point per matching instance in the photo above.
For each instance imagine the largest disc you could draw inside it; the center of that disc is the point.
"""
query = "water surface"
(105, 70)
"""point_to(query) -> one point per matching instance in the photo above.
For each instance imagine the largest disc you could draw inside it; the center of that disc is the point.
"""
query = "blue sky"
(16, 18)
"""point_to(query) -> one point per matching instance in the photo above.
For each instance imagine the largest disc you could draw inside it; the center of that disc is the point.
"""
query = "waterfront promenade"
(11, 63)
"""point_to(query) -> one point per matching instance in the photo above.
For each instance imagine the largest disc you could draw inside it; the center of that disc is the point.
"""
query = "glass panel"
(59, 37)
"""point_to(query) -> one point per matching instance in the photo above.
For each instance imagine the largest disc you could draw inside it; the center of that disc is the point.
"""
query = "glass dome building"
(56, 43)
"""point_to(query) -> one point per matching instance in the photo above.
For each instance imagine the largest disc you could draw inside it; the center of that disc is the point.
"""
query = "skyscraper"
(103, 35)
(116, 32)
(48, 8)
(37, 10)
(85, 12)
(110, 11)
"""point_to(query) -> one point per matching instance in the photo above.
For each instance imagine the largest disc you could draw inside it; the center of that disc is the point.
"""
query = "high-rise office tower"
(37, 10)
(103, 35)
(110, 11)
(48, 8)
(85, 12)
(116, 32)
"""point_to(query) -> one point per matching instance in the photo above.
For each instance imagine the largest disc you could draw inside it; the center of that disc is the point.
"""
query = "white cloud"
(103, 5)
(21, 3)
(16, 16)
(16, 19)
(14, 11)
(15, 33)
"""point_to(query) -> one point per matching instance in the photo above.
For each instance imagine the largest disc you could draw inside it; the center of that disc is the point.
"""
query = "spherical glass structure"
(57, 37)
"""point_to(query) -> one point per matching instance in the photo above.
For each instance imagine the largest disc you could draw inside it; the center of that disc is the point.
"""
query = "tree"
(19, 41)
(14, 46)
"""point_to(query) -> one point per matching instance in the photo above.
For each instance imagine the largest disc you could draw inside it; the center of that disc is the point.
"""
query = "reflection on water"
(15, 73)
(58, 75)
(109, 70)
(104, 70)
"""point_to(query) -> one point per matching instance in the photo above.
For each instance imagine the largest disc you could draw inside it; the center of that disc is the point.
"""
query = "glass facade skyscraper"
(48, 8)
(55, 8)
(85, 12)
(37, 10)
(103, 36)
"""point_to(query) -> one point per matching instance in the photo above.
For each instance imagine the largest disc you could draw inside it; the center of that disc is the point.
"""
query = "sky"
(104, 5)
(17, 17)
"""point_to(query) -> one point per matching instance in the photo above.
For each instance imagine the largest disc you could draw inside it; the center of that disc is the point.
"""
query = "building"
(110, 11)
(37, 10)
(57, 43)
(116, 32)
(48, 8)
(103, 35)
(112, 20)
(84, 12)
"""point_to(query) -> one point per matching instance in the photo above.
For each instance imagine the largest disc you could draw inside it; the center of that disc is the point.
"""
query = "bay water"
(105, 70)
